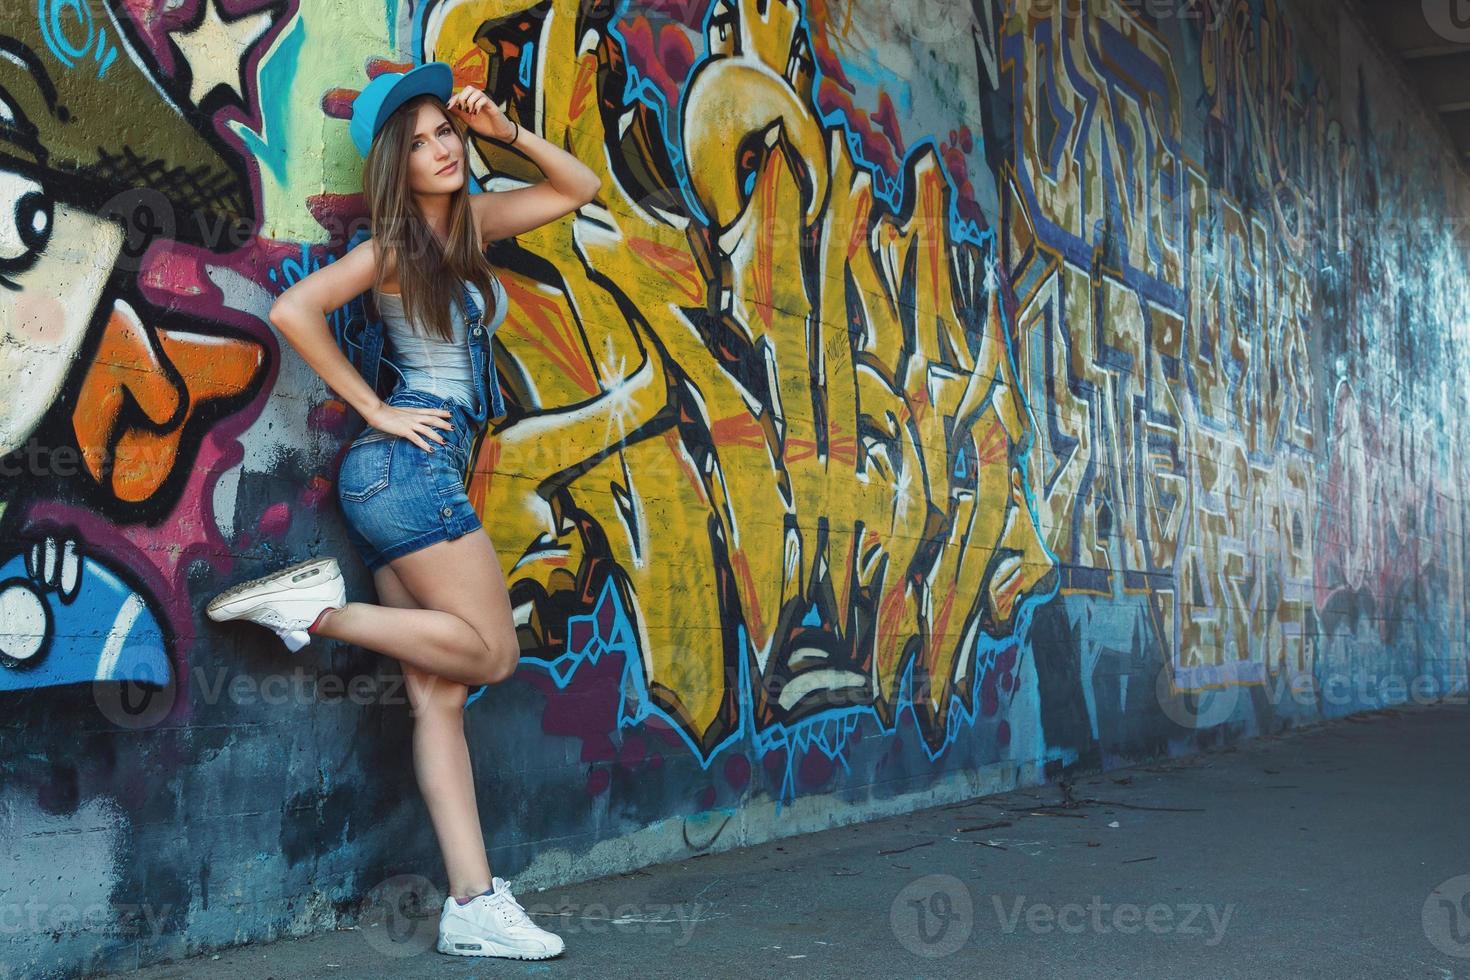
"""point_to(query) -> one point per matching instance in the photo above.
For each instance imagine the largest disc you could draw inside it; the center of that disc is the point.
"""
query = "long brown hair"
(429, 272)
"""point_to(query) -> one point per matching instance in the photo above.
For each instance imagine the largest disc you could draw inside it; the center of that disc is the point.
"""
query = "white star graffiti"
(214, 48)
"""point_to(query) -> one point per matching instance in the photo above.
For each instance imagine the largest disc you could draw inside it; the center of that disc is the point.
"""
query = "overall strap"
(470, 305)
(361, 331)
(473, 318)
(374, 349)
(472, 309)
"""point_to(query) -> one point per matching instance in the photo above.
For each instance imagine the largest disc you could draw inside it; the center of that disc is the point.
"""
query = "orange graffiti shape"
(675, 265)
(142, 389)
(533, 317)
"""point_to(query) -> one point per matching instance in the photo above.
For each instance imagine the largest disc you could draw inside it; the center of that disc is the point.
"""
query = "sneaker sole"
(274, 582)
(453, 945)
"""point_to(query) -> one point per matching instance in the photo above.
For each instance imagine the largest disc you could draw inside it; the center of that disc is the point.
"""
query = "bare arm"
(569, 182)
(300, 315)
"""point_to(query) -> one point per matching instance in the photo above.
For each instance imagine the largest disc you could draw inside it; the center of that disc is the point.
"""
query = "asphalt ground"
(1339, 850)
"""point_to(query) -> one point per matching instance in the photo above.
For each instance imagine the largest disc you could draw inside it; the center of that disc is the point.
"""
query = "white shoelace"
(513, 911)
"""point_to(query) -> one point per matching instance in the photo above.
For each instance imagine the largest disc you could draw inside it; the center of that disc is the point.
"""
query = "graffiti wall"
(930, 403)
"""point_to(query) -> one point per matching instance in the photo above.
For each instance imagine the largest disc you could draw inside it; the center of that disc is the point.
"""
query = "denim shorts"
(397, 498)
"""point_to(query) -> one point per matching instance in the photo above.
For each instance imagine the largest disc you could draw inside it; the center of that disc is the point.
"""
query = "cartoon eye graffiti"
(25, 221)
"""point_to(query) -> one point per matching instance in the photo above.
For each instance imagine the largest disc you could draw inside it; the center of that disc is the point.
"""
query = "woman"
(445, 612)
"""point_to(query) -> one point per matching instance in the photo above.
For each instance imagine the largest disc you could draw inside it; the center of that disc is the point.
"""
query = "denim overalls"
(395, 496)
(361, 336)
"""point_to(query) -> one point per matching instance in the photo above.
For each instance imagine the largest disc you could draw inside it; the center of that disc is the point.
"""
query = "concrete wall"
(930, 404)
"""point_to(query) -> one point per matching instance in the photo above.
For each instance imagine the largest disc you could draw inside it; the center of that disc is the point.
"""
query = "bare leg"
(462, 629)
(441, 761)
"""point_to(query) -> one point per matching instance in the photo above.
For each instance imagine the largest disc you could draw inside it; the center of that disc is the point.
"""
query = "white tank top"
(428, 363)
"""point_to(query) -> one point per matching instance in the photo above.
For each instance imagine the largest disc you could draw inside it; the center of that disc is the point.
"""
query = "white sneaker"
(287, 601)
(494, 925)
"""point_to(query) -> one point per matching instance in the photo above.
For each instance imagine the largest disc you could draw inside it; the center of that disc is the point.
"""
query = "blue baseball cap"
(388, 91)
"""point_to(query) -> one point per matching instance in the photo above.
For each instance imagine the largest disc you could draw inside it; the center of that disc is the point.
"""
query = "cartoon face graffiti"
(103, 398)
(49, 296)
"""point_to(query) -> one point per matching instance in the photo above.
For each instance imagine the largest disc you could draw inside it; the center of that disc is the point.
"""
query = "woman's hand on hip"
(480, 113)
(413, 424)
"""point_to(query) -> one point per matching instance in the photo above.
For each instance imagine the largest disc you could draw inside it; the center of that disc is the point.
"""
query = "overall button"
(477, 331)
(446, 512)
